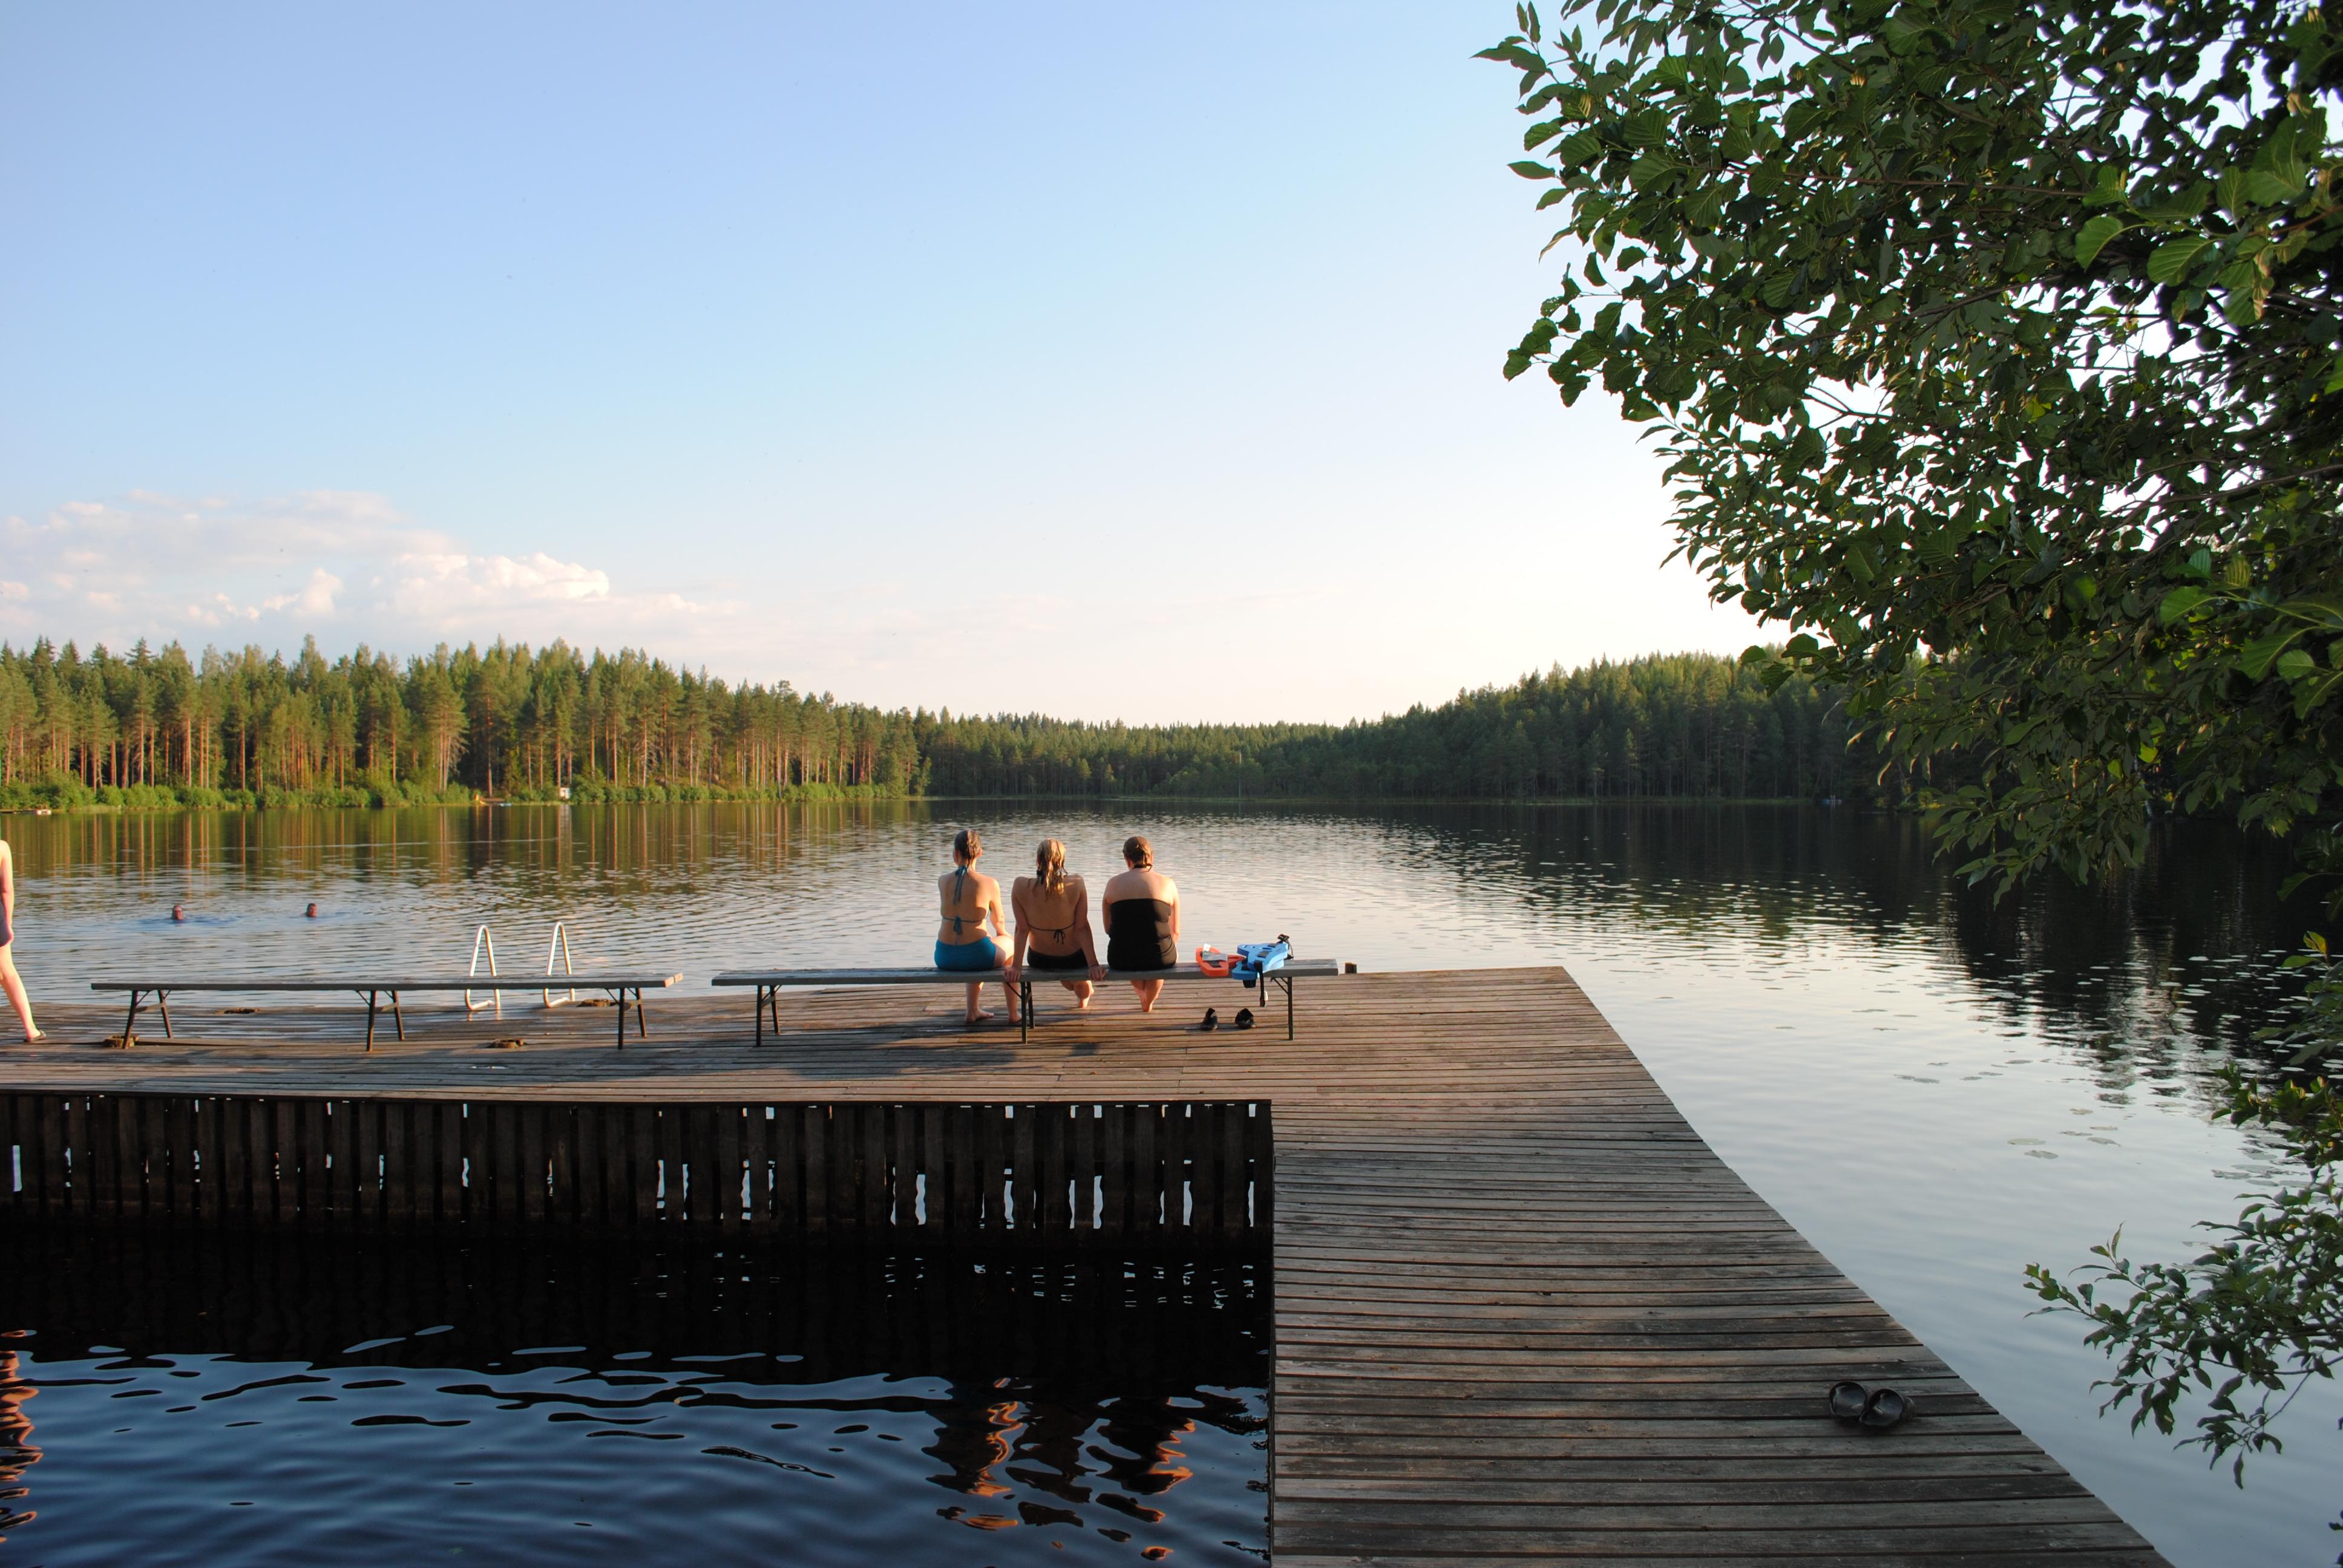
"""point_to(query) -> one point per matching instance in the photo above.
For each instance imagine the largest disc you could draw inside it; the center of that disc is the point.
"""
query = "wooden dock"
(1523, 1311)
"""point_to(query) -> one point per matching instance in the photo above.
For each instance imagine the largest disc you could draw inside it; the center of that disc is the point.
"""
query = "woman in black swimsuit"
(1143, 920)
(1053, 922)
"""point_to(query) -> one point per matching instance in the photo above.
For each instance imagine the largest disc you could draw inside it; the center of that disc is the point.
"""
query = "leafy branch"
(2246, 1324)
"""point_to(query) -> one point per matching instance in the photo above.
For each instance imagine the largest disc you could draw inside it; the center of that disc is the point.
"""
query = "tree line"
(162, 726)
(1675, 726)
(157, 728)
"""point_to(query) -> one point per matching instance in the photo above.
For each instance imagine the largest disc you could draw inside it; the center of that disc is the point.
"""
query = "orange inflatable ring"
(1215, 962)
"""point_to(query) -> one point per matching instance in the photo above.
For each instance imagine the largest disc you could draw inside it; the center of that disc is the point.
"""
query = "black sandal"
(1211, 1020)
(1244, 1018)
(1848, 1401)
(1885, 1408)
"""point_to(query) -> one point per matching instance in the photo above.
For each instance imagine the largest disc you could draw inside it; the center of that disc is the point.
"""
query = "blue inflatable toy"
(1257, 958)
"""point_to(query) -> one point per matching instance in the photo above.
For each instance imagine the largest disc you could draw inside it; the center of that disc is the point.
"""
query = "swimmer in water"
(179, 912)
(313, 911)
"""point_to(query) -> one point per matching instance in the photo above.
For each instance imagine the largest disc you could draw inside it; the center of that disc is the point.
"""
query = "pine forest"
(163, 729)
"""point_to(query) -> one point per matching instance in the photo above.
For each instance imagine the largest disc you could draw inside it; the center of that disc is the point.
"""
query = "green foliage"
(2316, 1030)
(1997, 348)
(155, 731)
(2246, 1325)
(160, 730)
(1683, 726)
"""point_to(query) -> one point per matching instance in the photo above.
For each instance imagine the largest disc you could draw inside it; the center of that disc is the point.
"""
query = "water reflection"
(1935, 1088)
(18, 1451)
(2176, 952)
(377, 1403)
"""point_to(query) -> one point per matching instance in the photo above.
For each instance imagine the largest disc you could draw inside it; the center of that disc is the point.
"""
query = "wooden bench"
(770, 982)
(373, 989)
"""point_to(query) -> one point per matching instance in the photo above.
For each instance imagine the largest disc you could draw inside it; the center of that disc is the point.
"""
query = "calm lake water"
(1935, 1090)
(207, 1400)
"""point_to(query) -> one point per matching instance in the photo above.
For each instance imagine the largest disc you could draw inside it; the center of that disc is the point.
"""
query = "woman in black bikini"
(1053, 922)
(1143, 920)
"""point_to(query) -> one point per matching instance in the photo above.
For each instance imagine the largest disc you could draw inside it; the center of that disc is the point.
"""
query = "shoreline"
(835, 795)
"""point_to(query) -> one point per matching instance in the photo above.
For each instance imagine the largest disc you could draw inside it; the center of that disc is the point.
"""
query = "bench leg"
(643, 1030)
(1288, 983)
(761, 991)
(621, 998)
(1024, 1007)
(132, 1021)
(163, 1005)
(373, 1003)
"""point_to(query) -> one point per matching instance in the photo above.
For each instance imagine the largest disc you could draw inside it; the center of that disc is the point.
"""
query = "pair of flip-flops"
(1876, 1408)
(1244, 1019)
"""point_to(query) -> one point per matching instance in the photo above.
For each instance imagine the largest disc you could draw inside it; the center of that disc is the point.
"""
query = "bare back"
(971, 900)
(1141, 882)
(1053, 923)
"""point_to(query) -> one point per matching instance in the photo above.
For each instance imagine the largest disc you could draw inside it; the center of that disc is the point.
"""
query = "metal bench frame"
(618, 987)
(769, 983)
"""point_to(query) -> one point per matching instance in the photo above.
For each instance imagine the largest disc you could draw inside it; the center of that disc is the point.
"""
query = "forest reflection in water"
(311, 1398)
(2193, 930)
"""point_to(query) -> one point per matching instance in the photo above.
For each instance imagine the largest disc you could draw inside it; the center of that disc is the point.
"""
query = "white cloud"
(346, 566)
(315, 599)
(434, 583)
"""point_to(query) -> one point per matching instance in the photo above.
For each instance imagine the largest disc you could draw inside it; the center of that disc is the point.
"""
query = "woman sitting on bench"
(1143, 920)
(970, 899)
(1053, 923)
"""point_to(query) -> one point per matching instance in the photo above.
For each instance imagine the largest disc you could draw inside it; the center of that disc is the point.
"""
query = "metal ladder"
(483, 941)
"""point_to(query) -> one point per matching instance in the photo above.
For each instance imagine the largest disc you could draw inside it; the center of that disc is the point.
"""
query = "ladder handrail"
(561, 943)
(496, 997)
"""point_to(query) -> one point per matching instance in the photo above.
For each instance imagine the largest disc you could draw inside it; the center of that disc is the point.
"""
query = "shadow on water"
(2177, 952)
(309, 1399)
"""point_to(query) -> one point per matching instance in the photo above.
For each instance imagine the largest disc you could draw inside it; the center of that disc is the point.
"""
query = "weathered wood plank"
(1522, 1312)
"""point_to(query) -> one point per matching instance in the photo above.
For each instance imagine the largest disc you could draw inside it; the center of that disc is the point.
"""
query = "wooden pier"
(1523, 1311)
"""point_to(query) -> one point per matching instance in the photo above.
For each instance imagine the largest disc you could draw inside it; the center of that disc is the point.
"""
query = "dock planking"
(1523, 1311)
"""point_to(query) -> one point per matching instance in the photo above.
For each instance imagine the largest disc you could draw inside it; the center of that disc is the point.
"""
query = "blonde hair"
(1138, 851)
(1050, 866)
(966, 845)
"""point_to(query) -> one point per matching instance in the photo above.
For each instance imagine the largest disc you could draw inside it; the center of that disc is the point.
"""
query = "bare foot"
(1083, 1005)
(1147, 1006)
(979, 1016)
(37, 1036)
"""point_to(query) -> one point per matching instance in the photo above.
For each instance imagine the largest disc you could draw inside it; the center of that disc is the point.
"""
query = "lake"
(1936, 1089)
(206, 1399)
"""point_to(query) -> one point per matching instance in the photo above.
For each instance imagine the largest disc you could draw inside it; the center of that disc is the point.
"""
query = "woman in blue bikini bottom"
(971, 901)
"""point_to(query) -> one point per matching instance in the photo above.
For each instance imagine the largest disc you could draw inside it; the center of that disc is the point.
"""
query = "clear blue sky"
(1107, 361)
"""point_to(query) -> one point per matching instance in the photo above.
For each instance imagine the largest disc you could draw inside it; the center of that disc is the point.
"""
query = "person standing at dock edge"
(1143, 920)
(971, 900)
(10, 980)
